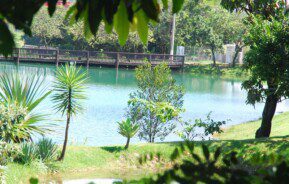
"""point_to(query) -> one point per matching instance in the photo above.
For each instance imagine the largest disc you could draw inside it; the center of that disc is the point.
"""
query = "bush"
(209, 126)
(8, 152)
(28, 153)
(44, 150)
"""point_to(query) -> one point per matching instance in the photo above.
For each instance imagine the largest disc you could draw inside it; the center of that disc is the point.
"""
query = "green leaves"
(121, 23)
(117, 13)
(177, 5)
(69, 89)
(142, 26)
(127, 128)
(6, 39)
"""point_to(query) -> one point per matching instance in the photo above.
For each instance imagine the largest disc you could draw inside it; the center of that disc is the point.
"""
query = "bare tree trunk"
(213, 56)
(65, 138)
(67, 127)
(267, 116)
(238, 49)
(127, 143)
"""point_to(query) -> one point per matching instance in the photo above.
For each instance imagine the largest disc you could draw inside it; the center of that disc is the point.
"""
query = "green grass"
(114, 162)
(219, 71)
(280, 127)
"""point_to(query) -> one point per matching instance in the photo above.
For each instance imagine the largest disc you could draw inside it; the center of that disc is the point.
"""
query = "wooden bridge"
(90, 58)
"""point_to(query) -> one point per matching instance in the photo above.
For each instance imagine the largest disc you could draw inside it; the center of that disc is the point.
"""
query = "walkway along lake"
(108, 92)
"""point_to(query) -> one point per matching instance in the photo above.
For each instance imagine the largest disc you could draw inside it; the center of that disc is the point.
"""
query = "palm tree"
(127, 129)
(69, 89)
(19, 96)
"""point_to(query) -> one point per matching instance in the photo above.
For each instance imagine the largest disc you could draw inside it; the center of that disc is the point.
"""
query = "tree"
(69, 90)
(208, 26)
(267, 61)
(119, 15)
(127, 129)
(47, 28)
(156, 103)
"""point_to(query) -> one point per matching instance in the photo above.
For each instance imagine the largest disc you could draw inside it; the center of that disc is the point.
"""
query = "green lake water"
(108, 92)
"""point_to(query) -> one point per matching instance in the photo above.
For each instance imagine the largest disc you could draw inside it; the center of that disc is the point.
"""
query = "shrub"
(8, 152)
(156, 103)
(19, 97)
(209, 126)
(46, 150)
(28, 153)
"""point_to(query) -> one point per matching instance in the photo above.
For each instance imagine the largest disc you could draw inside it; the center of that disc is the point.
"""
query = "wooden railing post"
(117, 60)
(183, 62)
(18, 56)
(150, 58)
(57, 57)
(87, 59)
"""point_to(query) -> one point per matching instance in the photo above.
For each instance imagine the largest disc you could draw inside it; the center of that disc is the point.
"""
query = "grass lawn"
(115, 162)
(280, 127)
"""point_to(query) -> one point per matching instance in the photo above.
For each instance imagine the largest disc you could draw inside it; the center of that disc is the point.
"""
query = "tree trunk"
(267, 116)
(67, 127)
(213, 56)
(66, 138)
(127, 143)
(238, 49)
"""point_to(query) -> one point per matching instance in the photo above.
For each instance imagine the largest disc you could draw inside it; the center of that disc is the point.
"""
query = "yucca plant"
(19, 96)
(28, 153)
(46, 149)
(127, 129)
(69, 90)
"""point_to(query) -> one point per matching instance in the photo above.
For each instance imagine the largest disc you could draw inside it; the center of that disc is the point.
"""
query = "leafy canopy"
(120, 15)
(69, 89)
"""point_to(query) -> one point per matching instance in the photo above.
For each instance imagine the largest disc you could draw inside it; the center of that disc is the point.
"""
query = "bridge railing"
(94, 57)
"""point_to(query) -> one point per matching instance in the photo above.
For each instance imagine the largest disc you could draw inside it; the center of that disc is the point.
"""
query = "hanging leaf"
(142, 26)
(177, 5)
(52, 6)
(121, 23)
(6, 39)
(94, 15)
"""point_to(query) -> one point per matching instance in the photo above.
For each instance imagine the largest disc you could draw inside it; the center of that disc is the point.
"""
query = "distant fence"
(47, 55)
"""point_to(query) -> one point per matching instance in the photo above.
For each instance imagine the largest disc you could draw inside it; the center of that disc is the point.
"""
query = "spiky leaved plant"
(19, 96)
(127, 129)
(69, 90)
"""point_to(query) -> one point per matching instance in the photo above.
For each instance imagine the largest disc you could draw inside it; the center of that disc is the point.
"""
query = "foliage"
(209, 126)
(120, 15)
(208, 169)
(156, 103)
(19, 98)
(267, 60)
(208, 26)
(28, 153)
(263, 8)
(69, 91)
(127, 129)
(44, 150)
(8, 152)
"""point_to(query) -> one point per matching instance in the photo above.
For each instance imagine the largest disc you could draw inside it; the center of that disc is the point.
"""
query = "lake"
(108, 91)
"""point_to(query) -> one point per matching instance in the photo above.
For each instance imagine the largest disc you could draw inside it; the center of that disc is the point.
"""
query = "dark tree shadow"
(113, 149)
